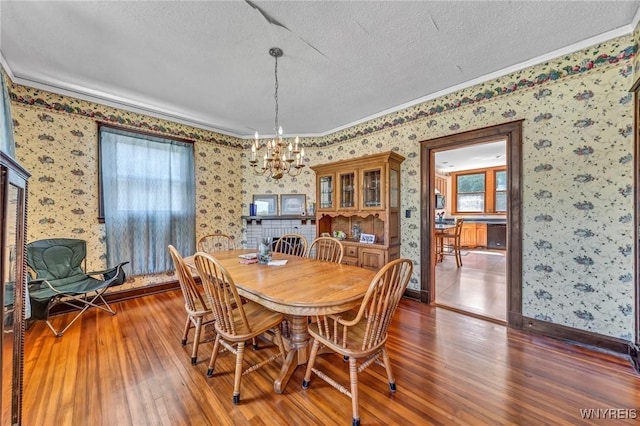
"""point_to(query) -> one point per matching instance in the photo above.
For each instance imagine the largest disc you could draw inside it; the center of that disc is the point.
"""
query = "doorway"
(472, 182)
(512, 134)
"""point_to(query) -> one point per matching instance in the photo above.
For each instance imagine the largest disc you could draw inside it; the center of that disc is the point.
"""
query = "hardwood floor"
(479, 287)
(130, 369)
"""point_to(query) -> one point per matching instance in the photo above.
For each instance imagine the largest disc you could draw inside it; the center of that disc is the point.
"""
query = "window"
(480, 191)
(470, 195)
(148, 198)
(501, 191)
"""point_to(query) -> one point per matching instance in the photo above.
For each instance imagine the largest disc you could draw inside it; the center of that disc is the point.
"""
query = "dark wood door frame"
(512, 133)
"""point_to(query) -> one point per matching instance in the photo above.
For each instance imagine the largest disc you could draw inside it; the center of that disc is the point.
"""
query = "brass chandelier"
(279, 158)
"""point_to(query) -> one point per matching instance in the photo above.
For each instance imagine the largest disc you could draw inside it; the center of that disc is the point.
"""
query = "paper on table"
(277, 262)
(249, 256)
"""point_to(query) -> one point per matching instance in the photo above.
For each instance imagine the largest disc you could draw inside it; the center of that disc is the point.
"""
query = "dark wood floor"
(479, 287)
(130, 369)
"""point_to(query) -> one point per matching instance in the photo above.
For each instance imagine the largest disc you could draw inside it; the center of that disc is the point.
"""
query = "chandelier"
(279, 157)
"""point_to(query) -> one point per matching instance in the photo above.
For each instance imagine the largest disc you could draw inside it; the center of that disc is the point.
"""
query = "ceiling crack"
(270, 19)
(266, 16)
(434, 22)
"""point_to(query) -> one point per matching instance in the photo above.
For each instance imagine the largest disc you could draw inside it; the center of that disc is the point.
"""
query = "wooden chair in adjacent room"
(293, 244)
(361, 335)
(236, 322)
(327, 249)
(198, 311)
(450, 242)
(215, 242)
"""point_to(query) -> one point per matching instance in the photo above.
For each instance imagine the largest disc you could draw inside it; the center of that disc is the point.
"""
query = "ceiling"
(479, 156)
(206, 63)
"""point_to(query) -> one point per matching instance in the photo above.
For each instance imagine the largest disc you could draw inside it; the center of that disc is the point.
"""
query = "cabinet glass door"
(372, 188)
(325, 189)
(348, 190)
(8, 309)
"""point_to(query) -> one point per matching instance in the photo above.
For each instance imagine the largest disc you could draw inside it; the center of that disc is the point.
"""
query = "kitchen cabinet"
(361, 195)
(441, 184)
(468, 235)
(481, 235)
(473, 235)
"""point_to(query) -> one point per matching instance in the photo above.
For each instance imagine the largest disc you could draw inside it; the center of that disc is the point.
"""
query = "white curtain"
(148, 188)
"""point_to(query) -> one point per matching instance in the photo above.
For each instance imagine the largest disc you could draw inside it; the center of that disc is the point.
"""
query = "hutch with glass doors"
(358, 201)
(13, 202)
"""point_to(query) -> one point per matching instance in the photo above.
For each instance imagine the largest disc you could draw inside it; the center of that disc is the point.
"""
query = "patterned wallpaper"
(56, 140)
(577, 193)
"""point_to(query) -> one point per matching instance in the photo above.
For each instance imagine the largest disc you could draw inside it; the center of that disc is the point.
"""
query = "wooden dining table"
(301, 288)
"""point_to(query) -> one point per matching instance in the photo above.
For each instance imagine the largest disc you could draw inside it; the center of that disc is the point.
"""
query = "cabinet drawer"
(351, 251)
(348, 260)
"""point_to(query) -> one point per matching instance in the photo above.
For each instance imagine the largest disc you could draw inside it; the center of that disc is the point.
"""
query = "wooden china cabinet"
(13, 202)
(361, 196)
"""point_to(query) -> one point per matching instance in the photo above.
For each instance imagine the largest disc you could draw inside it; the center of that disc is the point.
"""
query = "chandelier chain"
(275, 96)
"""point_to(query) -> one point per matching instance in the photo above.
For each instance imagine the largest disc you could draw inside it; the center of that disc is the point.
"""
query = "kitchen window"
(500, 191)
(480, 191)
(470, 194)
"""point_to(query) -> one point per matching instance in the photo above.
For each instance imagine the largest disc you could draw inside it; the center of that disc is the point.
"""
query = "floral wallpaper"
(57, 141)
(578, 212)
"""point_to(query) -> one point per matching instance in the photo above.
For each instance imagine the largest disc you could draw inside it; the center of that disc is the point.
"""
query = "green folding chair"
(59, 265)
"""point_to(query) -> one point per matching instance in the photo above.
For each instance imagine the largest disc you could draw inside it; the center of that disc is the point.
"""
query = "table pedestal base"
(298, 350)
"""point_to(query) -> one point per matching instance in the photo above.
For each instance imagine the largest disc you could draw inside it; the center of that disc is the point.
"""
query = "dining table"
(299, 288)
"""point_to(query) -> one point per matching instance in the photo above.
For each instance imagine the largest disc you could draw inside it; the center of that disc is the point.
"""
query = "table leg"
(299, 353)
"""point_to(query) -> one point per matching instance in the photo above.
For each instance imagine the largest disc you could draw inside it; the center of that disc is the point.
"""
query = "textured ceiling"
(206, 63)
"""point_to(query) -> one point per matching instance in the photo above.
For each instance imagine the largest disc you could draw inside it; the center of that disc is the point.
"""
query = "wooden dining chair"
(361, 335)
(195, 304)
(328, 249)
(237, 321)
(215, 242)
(293, 244)
(449, 243)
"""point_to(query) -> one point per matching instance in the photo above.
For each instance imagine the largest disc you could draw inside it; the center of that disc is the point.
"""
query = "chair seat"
(200, 306)
(42, 292)
(260, 318)
(353, 346)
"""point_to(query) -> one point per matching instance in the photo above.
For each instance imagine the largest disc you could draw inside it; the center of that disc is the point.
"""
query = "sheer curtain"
(148, 189)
